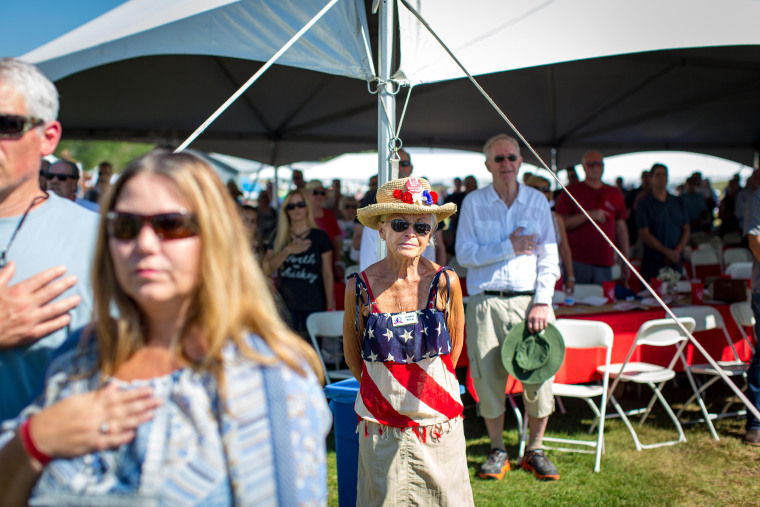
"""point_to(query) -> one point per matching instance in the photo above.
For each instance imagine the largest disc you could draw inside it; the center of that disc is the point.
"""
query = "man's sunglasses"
(293, 205)
(319, 192)
(13, 125)
(405, 163)
(60, 177)
(420, 228)
(500, 158)
(176, 225)
(594, 163)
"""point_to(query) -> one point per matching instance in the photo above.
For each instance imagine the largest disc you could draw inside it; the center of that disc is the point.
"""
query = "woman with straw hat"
(402, 341)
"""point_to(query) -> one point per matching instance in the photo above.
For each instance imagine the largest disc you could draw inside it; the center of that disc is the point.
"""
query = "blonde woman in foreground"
(197, 394)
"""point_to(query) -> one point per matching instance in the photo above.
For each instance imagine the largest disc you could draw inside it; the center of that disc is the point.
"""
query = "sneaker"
(495, 466)
(752, 437)
(539, 465)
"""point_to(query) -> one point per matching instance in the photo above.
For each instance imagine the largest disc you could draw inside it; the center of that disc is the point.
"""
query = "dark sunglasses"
(405, 163)
(500, 158)
(319, 192)
(420, 228)
(176, 225)
(13, 125)
(544, 189)
(60, 177)
(350, 206)
(595, 163)
(293, 205)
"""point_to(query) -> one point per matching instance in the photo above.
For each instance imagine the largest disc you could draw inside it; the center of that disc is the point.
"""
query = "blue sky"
(27, 24)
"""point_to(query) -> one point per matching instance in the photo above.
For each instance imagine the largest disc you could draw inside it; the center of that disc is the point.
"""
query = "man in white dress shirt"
(505, 238)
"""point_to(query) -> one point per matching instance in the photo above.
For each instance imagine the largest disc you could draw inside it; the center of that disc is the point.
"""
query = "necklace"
(38, 199)
(302, 235)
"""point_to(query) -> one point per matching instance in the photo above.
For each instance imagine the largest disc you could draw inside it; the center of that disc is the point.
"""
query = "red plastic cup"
(697, 292)
(656, 284)
(609, 291)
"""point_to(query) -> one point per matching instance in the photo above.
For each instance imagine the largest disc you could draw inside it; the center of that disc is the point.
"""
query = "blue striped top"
(264, 444)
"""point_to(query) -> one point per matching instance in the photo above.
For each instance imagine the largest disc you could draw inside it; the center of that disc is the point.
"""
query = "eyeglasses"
(500, 158)
(319, 192)
(420, 228)
(13, 125)
(60, 177)
(350, 206)
(176, 225)
(293, 205)
(405, 163)
(594, 163)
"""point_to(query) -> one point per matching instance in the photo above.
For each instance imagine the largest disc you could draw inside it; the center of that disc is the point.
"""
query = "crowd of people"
(153, 331)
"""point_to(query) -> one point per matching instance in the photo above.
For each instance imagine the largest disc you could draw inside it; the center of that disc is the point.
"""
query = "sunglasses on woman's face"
(293, 205)
(420, 228)
(126, 226)
(316, 191)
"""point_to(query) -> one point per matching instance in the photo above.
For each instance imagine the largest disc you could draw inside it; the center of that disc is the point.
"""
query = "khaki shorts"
(488, 321)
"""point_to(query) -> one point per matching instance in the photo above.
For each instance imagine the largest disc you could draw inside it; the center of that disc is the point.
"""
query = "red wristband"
(28, 443)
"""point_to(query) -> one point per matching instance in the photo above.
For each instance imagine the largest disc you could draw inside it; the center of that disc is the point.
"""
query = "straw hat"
(532, 358)
(405, 196)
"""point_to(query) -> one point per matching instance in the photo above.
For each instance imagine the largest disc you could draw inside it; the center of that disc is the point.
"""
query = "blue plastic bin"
(342, 396)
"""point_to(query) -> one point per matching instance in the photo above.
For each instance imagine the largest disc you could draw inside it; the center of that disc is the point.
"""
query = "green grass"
(698, 472)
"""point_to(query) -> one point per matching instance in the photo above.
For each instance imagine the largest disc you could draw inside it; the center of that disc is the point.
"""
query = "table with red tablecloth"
(580, 365)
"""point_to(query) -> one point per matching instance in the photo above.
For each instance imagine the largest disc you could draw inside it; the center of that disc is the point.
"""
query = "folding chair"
(583, 334)
(740, 270)
(738, 254)
(706, 318)
(655, 333)
(704, 262)
(328, 326)
(582, 291)
(731, 238)
(744, 318)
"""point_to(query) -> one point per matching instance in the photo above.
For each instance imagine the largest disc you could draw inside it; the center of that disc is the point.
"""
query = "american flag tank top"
(408, 379)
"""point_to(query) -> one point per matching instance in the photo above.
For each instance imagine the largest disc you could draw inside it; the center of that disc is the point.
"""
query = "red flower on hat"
(407, 198)
(434, 196)
(397, 193)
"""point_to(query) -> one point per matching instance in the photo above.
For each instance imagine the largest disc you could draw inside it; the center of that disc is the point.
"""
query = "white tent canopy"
(490, 36)
(678, 80)
(251, 30)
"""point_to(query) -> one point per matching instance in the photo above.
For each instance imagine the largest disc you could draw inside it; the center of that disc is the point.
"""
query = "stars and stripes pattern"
(408, 379)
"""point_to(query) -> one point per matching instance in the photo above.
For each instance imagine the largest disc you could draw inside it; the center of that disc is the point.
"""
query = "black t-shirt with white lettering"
(299, 279)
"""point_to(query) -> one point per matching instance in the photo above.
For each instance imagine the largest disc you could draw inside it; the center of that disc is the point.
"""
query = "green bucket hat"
(533, 358)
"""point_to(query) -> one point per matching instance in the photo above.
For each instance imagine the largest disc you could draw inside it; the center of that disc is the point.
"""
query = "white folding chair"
(328, 326)
(737, 254)
(704, 262)
(740, 270)
(744, 318)
(582, 291)
(655, 333)
(731, 238)
(706, 318)
(584, 334)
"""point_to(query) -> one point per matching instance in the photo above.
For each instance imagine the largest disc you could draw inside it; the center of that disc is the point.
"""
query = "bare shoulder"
(453, 278)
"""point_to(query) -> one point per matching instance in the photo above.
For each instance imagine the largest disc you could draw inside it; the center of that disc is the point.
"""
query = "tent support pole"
(386, 127)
